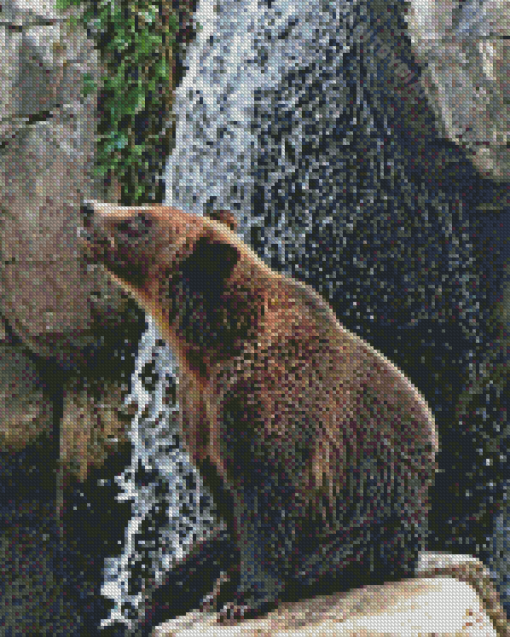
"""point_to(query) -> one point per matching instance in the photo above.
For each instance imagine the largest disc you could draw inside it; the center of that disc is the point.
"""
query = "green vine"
(137, 44)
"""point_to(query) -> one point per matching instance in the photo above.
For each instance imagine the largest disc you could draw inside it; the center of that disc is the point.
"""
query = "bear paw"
(233, 613)
(211, 601)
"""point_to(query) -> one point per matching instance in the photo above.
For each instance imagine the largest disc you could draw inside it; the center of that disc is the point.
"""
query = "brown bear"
(318, 451)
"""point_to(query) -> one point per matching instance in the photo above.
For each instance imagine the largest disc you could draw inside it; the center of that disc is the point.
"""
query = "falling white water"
(167, 515)
(240, 114)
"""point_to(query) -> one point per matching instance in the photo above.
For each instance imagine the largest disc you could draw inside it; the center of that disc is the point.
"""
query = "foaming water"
(170, 508)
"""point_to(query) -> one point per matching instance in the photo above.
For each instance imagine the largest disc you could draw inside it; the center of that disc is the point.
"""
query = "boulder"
(451, 595)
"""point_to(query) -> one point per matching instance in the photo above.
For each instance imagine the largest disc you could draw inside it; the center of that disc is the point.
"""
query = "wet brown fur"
(283, 409)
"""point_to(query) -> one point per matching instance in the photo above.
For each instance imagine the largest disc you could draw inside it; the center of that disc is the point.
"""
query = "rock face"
(451, 596)
(25, 411)
(52, 308)
(464, 53)
(47, 137)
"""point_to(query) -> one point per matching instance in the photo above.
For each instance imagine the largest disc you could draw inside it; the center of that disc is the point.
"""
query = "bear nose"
(87, 214)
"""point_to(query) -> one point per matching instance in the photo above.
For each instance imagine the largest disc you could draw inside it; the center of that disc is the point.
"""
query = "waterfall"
(168, 515)
(240, 119)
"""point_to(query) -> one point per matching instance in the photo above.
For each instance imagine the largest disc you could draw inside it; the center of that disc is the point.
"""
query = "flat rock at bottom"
(451, 596)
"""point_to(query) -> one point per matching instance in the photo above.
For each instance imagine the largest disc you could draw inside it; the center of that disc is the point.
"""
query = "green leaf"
(88, 84)
(125, 93)
(62, 5)
(173, 23)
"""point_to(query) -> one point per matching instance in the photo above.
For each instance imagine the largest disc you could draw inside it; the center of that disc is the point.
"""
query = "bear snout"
(84, 231)
(93, 237)
(87, 214)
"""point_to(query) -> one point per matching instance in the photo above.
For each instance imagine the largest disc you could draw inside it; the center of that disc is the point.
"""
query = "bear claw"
(232, 613)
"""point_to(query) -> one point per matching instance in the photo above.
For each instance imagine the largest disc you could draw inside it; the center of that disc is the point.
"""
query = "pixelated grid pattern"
(318, 307)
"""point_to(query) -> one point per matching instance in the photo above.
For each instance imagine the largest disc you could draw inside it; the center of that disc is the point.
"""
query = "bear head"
(192, 274)
(139, 244)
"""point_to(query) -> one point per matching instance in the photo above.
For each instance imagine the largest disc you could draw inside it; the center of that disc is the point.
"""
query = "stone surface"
(412, 608)
(25, 410)
(93, 424)
(47, 132)
(435, 603)
(464, 51)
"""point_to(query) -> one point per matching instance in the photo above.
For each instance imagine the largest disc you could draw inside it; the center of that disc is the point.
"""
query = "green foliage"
(136, 42)
(89, 85)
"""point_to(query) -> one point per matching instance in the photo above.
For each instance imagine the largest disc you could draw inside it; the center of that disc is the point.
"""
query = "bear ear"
(210, 263)
(225, 216)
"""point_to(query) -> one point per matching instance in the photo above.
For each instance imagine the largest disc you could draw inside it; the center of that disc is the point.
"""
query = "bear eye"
(135, 227)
